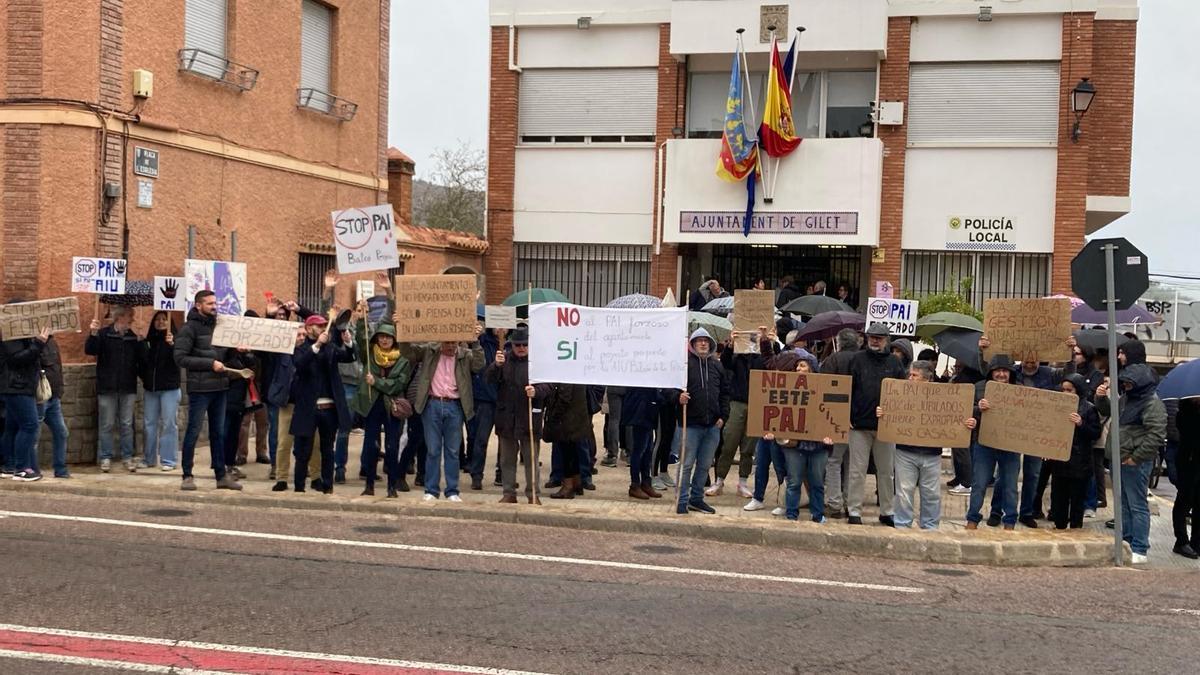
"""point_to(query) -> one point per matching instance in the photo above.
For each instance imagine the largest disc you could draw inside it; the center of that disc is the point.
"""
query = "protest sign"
(262, 335)
(98, 275)
(168, 294)
(1028, 329)
(499, 316)
(435, 307)
(365, 239)
(1028, 420)
(364, 289)
(926, 414)
(28, 319)
(609, 347)
(801, 406)
(752, 310)
(377, 306)
(226, 279)
(900, 316)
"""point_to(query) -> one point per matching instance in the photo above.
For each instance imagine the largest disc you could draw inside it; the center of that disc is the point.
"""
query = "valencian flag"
(739, 154)
(777, 133)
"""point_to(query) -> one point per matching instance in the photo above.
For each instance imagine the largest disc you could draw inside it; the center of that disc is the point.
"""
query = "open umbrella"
(635, 301)
(1182, 382)
(1095, 338)
(719, 306)
(1134, 315)
(719, 328)
(540, 295)
(812, 305)
(961, 344)
(932, 324)
(137, 294)
(828, 324)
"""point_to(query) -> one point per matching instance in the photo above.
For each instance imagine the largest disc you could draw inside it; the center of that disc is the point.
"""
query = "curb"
(952, 547)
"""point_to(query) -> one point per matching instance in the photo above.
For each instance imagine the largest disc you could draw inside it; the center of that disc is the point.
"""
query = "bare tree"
(455, 200)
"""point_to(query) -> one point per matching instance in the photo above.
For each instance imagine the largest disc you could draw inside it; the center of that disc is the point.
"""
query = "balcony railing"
(217, 68)
(326, 103)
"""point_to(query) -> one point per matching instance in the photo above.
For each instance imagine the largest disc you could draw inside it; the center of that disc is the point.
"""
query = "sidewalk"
(609, 509)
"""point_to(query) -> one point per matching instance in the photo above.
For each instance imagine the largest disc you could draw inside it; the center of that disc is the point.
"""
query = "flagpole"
(768, 185)
(750, 97)
(791, 102)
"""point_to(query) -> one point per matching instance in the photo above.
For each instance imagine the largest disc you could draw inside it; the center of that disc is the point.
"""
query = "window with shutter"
(983, 103)
(316, 53)
(204, 28)
(578, 103)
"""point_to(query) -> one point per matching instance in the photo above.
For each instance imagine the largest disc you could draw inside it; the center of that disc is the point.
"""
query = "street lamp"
(1081, 100)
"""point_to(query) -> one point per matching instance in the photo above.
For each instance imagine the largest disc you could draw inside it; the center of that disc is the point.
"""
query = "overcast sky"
(439, 84)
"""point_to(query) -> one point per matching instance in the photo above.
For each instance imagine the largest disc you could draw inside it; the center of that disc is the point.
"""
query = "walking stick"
(682, 454)
(533, 468)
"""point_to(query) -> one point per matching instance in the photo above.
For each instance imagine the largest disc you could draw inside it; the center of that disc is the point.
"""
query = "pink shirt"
(444, 385)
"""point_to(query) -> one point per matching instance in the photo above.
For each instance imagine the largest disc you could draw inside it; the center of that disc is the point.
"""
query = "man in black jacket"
(207, 386)
(320, 406)
(510, 376)
(707, 405)
(869, 368)
(838, 363)
(117, 350)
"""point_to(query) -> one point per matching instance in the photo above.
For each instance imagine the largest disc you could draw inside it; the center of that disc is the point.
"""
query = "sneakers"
(1089, 513)
(887, 521)
(855, 520)
(454, 498)
(143, 465)
(429, 498)
(964, 490)
(744, 490)
(820, 520)
(237, 473)
(681, 509)
(778, 511)
(952, 483)
(167, 468)
(717, 488)
(129, 466)
(658, 484)
(754, 505)
(701, 507)
(188, 484)
(28, 475)
(105, 465)
(1139, 559)
(666, 479)
(5, 473)
(64, 475)
(608, 461)
(228, 482)
(993, 520)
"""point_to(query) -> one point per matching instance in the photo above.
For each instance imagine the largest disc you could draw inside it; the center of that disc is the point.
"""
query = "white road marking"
(127, 666)
(1190, 612)
(587, 562)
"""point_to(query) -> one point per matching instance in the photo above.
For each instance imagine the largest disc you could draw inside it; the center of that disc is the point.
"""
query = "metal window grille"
(310, 278)
(1012, 275)
(737, 265)
(588, 274)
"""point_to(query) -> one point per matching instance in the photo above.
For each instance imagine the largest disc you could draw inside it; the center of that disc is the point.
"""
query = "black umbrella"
(812, 305)
(1095, 338)
(137, 294)
(962, 344)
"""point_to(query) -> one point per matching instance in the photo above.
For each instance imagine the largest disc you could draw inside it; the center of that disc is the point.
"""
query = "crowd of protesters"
(429, 410)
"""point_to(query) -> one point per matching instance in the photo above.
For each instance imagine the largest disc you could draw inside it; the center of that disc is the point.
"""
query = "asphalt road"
(436, 591)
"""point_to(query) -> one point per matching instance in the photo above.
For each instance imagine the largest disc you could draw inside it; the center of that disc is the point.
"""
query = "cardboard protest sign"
(1028, 329)
(802, 406)
(752, 309)
(1028, 420)
(900, 316)
(499, 316)
(168, 294)
(262, 335)
(926, 414)
(435, 307)
(226, 279)
(365, 239)
(610, 347)
(98, 275)
(28, 319)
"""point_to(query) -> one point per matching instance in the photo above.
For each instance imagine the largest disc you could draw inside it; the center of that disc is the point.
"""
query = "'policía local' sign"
(365, 239)
(900, 316)
(98, 275)
(994, 233)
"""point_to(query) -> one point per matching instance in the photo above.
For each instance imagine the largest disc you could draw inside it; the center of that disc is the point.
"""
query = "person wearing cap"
(444, 397)
(320, 407)
(385, 376)
(985, 459)
(508, 374)
(869, 368)
(706, 402)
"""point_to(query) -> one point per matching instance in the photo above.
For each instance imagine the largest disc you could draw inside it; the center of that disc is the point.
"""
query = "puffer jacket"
(20, 366)
(1146, 432)
(117, 360)
(195, 353)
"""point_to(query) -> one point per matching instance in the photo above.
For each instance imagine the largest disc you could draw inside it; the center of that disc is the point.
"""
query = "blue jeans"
(805, 467)
(161, 426)
(698, 457)
(341, 451)
(1135, 511)
(443, 422)
(19, 442)
(1031, 468)
(766, 455)
(480, 432)
(983, 464)
(272, 431)
(201, 403)
(918, 471)
(113, 406)
(50, 412)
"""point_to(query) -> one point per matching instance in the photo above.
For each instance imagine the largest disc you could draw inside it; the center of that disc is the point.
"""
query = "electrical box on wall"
(143, 83)
(889, 113)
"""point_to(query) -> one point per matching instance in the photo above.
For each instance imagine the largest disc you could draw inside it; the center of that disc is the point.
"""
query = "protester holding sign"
(735, 440)
(838, 363)
(868, 369)
(320, 405)
(20, 372)
(162, 393)
(50, 411)
(1069, 489)
(241, 397)
(984, 459)
(1033, 483)
(380, 399)
(706, 407)
(117, 351)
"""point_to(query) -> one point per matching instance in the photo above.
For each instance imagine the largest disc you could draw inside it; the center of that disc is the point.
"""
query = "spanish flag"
(777, 133)
(739, 155)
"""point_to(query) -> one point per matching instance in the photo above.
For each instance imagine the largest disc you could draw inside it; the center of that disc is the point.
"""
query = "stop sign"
(1131, 273)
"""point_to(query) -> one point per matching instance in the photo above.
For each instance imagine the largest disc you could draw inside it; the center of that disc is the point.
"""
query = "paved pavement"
(207, 584)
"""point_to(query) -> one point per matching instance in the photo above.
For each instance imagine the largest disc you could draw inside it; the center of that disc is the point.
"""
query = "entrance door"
(737, 265)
